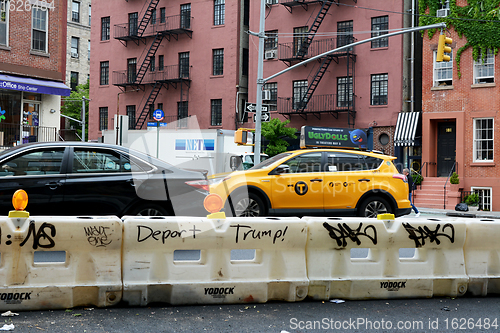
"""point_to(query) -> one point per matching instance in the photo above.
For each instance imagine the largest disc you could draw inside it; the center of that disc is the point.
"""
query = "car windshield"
(270, 161)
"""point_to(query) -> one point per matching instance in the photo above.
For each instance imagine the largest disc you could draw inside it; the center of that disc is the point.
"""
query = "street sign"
(265, 116)
(252, 107)
(158, 115)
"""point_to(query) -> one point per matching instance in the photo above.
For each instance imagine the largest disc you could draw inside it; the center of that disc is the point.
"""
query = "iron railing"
(9, 134)
(175, 24)
(464, 194)
(172, 73)
(317, 103)
(453, 168)
(317, 47)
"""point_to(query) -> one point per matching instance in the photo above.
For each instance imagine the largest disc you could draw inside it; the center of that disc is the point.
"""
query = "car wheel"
(150, 210)
(373, 206)
(250, 206)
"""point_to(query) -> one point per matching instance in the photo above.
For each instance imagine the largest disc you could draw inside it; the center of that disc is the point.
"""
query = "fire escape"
(152, 27)
(306, 47)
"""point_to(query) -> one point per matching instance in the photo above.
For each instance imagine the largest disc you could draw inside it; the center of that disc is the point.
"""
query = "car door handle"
(316, 180)
(53, 185)
(363, 180)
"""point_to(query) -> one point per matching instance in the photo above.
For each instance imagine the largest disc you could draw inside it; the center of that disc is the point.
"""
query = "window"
(153, 16)
(100, 160)
(182, 114)
(40, 162)
(244, 65)
(104, 75)
(90, 11)
(152, 64)
(216, 108)
(74, 47)
(299, 37)
(161, 62)
(483, 140)
(344, 31)
(186, 16)
(299, 92)
(73, 80)
(131, 116)
(88, 51)
(246, 12)
(132, 24)
(380, 25)
(344, 92)
(4, 22)
(310, 162)
(162, 15)
(271, 42)
(218, 62)
(379, 86)
(351, 162)
(484, 68)
(443, 71)
(105, 24)
(219, 12)
(103, 118)
(484, 197)
(273, 88)
(39, 36)
(184, 65)
(75, 11)
(131, 69)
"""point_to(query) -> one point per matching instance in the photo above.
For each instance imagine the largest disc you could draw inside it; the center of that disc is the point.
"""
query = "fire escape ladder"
(147, 17)
(147, 60)
(314, 83)
(145, 110)
(351, 112)
(302, 52)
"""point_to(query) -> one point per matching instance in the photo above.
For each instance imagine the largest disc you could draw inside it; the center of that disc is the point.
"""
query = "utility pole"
(83, 116)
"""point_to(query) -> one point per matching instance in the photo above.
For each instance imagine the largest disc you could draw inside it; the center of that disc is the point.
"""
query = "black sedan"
(78, 178)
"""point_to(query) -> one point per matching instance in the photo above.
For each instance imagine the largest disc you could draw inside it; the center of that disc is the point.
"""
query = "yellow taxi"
(335, 182)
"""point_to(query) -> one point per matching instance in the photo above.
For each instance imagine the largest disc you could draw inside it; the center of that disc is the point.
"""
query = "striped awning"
(406, 129)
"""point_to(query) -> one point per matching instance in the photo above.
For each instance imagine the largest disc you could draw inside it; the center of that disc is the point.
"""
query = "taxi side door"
(301, 188)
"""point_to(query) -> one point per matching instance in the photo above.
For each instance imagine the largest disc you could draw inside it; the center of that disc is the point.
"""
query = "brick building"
(78, 42)
(187, 59)
(32, 70)
(460, 119)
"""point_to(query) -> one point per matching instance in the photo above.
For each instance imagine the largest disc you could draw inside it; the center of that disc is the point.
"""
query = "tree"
(72, 107)
(275, 131)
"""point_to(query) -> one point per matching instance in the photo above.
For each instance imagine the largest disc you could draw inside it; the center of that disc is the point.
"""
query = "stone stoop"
(430, 194)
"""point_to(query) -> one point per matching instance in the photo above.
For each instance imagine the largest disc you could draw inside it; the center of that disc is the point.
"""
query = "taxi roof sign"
(331, 137)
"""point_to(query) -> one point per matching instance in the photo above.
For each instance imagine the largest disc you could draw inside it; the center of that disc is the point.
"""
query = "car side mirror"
(283, 168)
(235, 162)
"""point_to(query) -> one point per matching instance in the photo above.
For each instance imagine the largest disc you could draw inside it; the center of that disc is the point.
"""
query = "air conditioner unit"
(271, 54)
(74, 55)
(442, 12)
(266, 95)
(269, 2)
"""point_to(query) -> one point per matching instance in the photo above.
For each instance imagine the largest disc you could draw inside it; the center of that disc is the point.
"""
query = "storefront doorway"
(446, 148)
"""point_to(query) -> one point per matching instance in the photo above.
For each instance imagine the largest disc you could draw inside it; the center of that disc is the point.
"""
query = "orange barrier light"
(213, 204)
(19, 201)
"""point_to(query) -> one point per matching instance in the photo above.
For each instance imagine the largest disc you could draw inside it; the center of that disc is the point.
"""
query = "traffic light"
(443, 47)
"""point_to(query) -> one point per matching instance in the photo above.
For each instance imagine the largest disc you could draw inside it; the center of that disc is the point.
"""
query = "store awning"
(406, 129)
(36, 86)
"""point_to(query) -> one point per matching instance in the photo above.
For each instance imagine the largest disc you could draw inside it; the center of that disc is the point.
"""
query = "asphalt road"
(410, 315)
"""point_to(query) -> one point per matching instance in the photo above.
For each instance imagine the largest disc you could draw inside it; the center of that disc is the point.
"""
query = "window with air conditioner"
(74, 47)
(271, 54)
(444, 9)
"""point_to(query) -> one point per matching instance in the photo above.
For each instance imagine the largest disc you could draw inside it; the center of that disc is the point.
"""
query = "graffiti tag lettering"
(259, 234)
(145, 232)
(344, 232)
(96, 236)
(40, 237)
(420, 234)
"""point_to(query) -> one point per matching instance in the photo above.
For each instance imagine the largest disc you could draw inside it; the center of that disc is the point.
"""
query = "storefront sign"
(33, 85)
(311, 136)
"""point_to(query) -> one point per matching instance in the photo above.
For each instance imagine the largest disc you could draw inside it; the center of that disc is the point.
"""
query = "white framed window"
(483, 140)
(443, 71)
(484, 197)
(484, 68)
(75, 41)
(40, 21)
(4, 22)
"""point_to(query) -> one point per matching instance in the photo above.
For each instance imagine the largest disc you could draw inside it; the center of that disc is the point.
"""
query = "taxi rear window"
(351, 162)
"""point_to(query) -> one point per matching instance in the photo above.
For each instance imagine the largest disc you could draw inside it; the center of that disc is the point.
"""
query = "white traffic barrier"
(361, 258)
(59, 262)
(189, 260)
(482, 256)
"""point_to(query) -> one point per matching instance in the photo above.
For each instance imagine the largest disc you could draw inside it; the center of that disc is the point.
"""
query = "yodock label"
(14, 298)
(393, 286)
(219, 292)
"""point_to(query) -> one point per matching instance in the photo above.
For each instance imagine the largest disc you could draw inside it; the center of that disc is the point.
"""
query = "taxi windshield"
(270, 161)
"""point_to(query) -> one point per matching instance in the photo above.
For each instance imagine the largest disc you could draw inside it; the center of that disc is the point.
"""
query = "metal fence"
(9, 134)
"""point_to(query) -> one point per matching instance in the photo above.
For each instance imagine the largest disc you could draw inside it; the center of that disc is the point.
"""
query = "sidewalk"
(454, 213)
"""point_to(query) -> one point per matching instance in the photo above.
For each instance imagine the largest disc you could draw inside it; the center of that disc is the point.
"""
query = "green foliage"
(275, 131)
(454, 178)
(478, 21)
(417, 179)
(72, 107)
(472, 199)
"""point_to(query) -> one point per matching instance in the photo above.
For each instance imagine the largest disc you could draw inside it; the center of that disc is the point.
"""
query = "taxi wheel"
(373, 206)
(248, 206)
